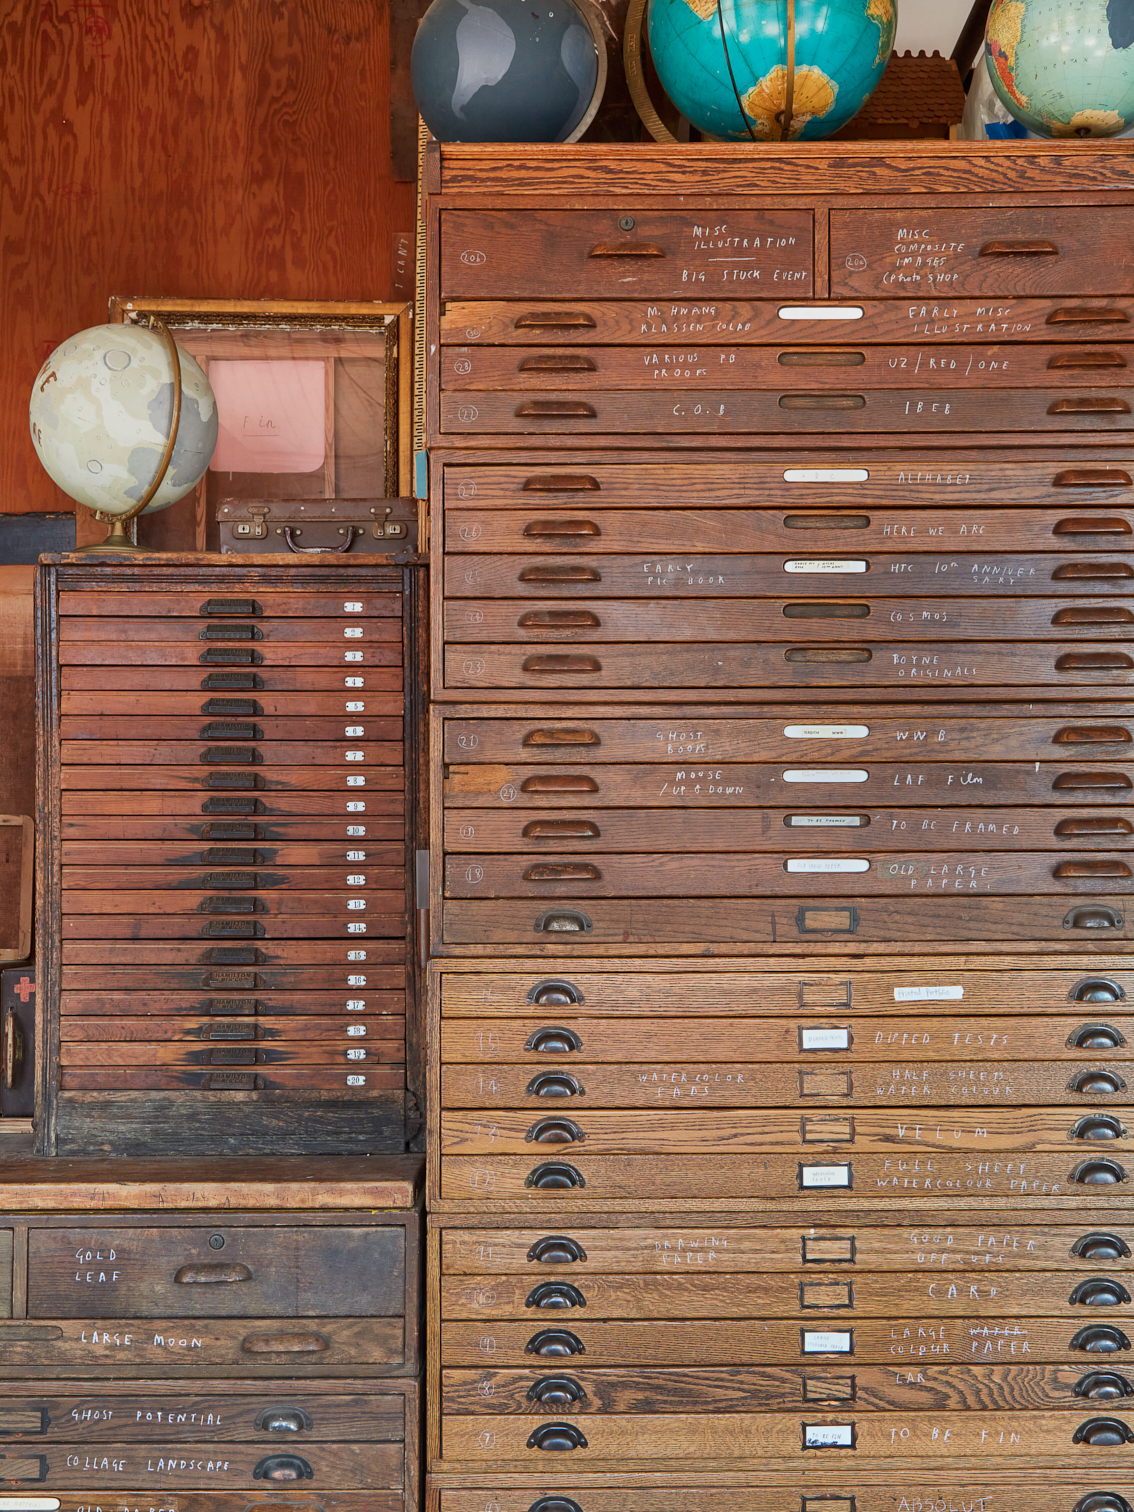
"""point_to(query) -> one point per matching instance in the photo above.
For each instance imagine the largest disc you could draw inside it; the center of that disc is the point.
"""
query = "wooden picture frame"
(336, 333)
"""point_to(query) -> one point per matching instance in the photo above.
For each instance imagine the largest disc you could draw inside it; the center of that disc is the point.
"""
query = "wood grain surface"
(179, 149)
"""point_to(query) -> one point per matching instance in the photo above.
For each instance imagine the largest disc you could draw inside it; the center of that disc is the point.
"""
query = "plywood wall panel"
(232, 149)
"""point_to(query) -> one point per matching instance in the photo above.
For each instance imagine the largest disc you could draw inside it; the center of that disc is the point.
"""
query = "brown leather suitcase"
(318, 527)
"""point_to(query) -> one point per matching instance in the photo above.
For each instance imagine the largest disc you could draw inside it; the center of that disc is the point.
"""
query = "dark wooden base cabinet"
(223, 865)
(210, 1339)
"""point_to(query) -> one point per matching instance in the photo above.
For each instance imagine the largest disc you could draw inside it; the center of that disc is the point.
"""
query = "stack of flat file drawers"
(782, 506)
(223, 892)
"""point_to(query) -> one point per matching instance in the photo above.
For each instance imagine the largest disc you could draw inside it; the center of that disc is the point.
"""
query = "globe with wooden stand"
(124, 421)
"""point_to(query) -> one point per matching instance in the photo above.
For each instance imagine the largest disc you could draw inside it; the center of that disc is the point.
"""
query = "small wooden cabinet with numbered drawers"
(210, 1339)
(226, 788)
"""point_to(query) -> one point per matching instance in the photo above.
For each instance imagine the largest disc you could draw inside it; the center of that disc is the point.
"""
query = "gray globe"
(503, 70)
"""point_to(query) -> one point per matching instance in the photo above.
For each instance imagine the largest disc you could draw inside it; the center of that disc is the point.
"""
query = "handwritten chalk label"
(826, 474)
(928, 994)
(825, 821)
(824, 1341)
(826, 732)
(811, 1176)
(820, 312)
(828, 1436)
(824, 864)
(819, 774)
(814, 564)
(824, 1039)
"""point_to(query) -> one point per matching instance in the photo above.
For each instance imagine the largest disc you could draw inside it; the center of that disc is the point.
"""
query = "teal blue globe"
(734, 86)
(1064, 68)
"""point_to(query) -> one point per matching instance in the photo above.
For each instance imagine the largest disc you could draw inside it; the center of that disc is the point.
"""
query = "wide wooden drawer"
(254, 1014)
(900, 1342)
(289, 834)
(168, 629)
(742, 732)
(230, 966)
(999, 250)
(709, 1082)
(113, 676)
(662, 874)
(222, 817)
(575, 1179)
(592, 527)
(641, 253)
(295, 1346)
(755, 1440)
(780, 618)
(239, 777)
(687, 364)
(728, 322)
(631, 830)
(87, 856)
(661, 1244)
(259, 605)
(713, 1294)
(893, 663)
(281, 1499)
(585, 1393)
(698, 921)
(1067, 483)
(285, 708)
(881, 575)
(690, 1130)
(351, 1466)
(116, 726)
(266, 1419)
(294, 655)
(217, 1271)
(798, 411)
(824, 1488)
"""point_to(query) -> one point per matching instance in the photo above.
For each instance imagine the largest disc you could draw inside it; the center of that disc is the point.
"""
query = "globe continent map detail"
(1064, 68)
(841, 48)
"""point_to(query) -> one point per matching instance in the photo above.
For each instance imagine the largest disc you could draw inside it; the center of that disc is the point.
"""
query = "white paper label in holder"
(826, 732)
(828, 1436)
(29, 1504)
(810, 565)
(811, 1176)
(928, 994)
(823, 865)
(826, 1341)
(824, 1039)
(825, 774)
(825, 821)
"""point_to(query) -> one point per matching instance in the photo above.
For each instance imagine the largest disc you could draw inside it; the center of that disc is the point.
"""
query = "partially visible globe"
(100, 411)
(841, 48)
(504, 70)
(1064, 68)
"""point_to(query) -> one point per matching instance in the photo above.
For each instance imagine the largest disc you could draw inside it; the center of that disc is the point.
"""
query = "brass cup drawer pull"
(554, 1131)
(554, 992)
(1099, 1338)
(554, 1343)
(553, 1039)
(557, 1391)
(217, 1274)
(283, 1420)
(555, 1084)
(1098, 1172)
(1103, 1433)
(1096, 1037)
(556, 1249)
(1099, 1291)
(555, 1294)
(1096, 1083)
(557, 1436)
(283, 1467)
(1102, 1501)
(1097, 1126)
(555, 1176)
(1097, 990)
(1103, 1386)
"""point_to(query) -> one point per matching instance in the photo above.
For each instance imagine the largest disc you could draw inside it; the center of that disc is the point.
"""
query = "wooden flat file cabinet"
(210, 1341)
(782, 756)
(223, 890)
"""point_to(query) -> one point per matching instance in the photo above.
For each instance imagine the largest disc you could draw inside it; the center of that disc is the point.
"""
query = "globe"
(100, 412)
(735, 88)
(1063, 68)
(506, 70)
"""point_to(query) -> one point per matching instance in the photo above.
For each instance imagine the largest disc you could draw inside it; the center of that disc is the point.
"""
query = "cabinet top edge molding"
(812, 168)
(101, 1185)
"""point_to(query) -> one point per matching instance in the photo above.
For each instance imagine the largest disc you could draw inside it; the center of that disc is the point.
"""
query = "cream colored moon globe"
(100, 412)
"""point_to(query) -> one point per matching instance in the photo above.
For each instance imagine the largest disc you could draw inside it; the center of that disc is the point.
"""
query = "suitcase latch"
(254, 529)
(385, 528)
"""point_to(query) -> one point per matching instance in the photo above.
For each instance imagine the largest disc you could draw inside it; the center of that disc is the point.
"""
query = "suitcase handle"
(351, 532)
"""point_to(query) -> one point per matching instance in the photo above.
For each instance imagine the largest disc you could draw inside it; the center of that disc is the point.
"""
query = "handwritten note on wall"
(271, 416)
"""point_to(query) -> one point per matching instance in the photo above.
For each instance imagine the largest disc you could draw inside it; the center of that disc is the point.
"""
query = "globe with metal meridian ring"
(101, 410)
(508, 70)
(1063, 68)
(770, 70)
